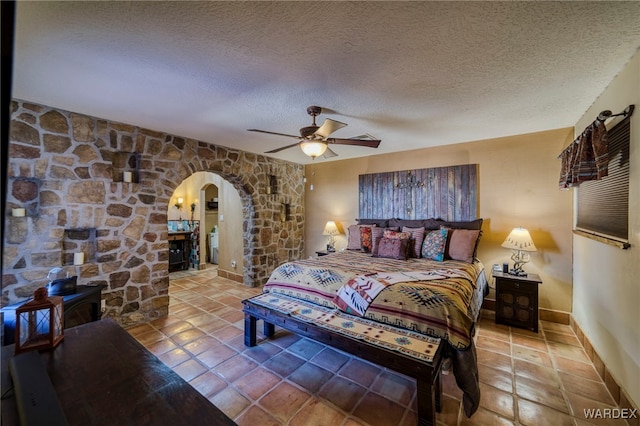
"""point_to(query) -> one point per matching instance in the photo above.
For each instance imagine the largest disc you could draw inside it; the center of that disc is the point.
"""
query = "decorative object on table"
(331, 229)
(520, 242)
(60, 283)
(39, 322)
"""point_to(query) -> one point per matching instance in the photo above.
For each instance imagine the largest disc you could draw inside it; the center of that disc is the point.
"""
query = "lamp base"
(517, 272)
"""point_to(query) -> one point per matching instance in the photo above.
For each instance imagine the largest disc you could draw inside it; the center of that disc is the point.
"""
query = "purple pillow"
(393, 248)
(353, 239)
(462, 244)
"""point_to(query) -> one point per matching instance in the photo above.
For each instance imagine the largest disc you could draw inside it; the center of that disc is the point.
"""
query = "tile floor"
(526, 378)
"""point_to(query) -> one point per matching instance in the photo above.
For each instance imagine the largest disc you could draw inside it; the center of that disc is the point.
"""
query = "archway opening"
(211, 205)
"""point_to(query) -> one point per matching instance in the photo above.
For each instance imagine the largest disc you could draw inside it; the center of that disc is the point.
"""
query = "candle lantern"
(39, 322)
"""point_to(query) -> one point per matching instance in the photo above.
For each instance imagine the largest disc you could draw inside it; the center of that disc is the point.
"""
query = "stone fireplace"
(66, 170)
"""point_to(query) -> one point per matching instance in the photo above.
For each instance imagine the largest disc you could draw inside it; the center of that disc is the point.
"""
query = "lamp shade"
(313, 148)
(519, 239)
(331, 228)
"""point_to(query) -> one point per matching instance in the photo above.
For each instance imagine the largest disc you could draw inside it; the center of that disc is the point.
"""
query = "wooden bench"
(426, 374)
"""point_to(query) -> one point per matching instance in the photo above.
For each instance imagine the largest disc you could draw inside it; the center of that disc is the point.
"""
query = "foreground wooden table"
(103, 376)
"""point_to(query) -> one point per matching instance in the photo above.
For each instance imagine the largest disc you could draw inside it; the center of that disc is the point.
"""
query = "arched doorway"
(216, 204)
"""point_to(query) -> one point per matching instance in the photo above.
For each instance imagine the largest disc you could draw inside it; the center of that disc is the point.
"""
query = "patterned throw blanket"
(355, 296)
(420, 295)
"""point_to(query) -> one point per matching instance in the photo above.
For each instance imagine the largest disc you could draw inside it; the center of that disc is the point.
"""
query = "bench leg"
(249, 330)
(426, 397)
(268, 329)
(437, 388)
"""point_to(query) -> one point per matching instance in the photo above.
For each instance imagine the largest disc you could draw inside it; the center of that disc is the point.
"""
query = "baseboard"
(617, 392)
(230, 275)
(551, 315)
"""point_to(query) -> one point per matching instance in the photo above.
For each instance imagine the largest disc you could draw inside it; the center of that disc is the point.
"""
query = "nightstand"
(517, 300)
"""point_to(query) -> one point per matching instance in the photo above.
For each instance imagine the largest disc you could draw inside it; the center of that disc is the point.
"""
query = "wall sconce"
(178, 203)
(520, 242)
(331, 229)
(285, 212)
(39, 322)
(272, 185)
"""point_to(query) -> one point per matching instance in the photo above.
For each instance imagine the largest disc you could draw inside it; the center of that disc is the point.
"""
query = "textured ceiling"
(414, 74)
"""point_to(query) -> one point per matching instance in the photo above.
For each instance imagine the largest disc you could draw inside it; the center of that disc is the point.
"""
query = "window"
(603, 205)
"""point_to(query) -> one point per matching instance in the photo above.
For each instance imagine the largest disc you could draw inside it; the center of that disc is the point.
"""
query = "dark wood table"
(103, 376)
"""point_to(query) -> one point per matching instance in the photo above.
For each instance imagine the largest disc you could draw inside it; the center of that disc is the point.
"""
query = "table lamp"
(520, 242)
(331, 229)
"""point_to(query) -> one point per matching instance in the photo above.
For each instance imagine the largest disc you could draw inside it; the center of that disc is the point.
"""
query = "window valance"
(587, 158)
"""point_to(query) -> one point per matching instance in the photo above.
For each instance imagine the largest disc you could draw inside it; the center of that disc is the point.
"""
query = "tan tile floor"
(526, 378)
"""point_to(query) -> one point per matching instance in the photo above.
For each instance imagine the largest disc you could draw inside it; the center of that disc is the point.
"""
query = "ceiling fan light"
(313, 148)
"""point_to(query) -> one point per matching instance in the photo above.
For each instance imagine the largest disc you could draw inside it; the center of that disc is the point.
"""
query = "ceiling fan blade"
(366, 136)
(329, 153)
(273, 151)
(370, 143)
(329, 126)
(273, 133)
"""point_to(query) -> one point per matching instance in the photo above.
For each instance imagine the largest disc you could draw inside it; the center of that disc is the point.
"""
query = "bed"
(430, 292)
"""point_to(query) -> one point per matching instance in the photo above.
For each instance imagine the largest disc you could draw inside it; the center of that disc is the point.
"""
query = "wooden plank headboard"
(448, 193)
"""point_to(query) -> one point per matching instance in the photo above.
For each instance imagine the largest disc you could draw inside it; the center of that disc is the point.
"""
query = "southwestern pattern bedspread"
(430, 297)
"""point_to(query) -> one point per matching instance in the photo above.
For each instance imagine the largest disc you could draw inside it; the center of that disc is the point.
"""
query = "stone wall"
(66, 170)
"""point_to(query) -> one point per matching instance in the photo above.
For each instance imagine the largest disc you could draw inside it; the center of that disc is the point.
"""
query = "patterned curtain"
(587, 158)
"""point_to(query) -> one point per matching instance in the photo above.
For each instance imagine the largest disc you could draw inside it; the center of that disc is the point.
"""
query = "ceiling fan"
(314, 141)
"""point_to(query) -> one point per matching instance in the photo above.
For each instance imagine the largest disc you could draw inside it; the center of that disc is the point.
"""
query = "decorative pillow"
(471, 224)
(393, 248)
(353, 240)
(415, 242)
(462, 244)
(366, 243)
(394, 234)
(376, 235)
(434, 245)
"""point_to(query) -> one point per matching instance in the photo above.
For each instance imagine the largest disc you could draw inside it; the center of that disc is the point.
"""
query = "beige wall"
(606, 296)
(518, 186)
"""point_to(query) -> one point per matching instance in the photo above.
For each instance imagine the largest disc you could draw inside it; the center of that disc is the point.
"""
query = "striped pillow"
(415, 243)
